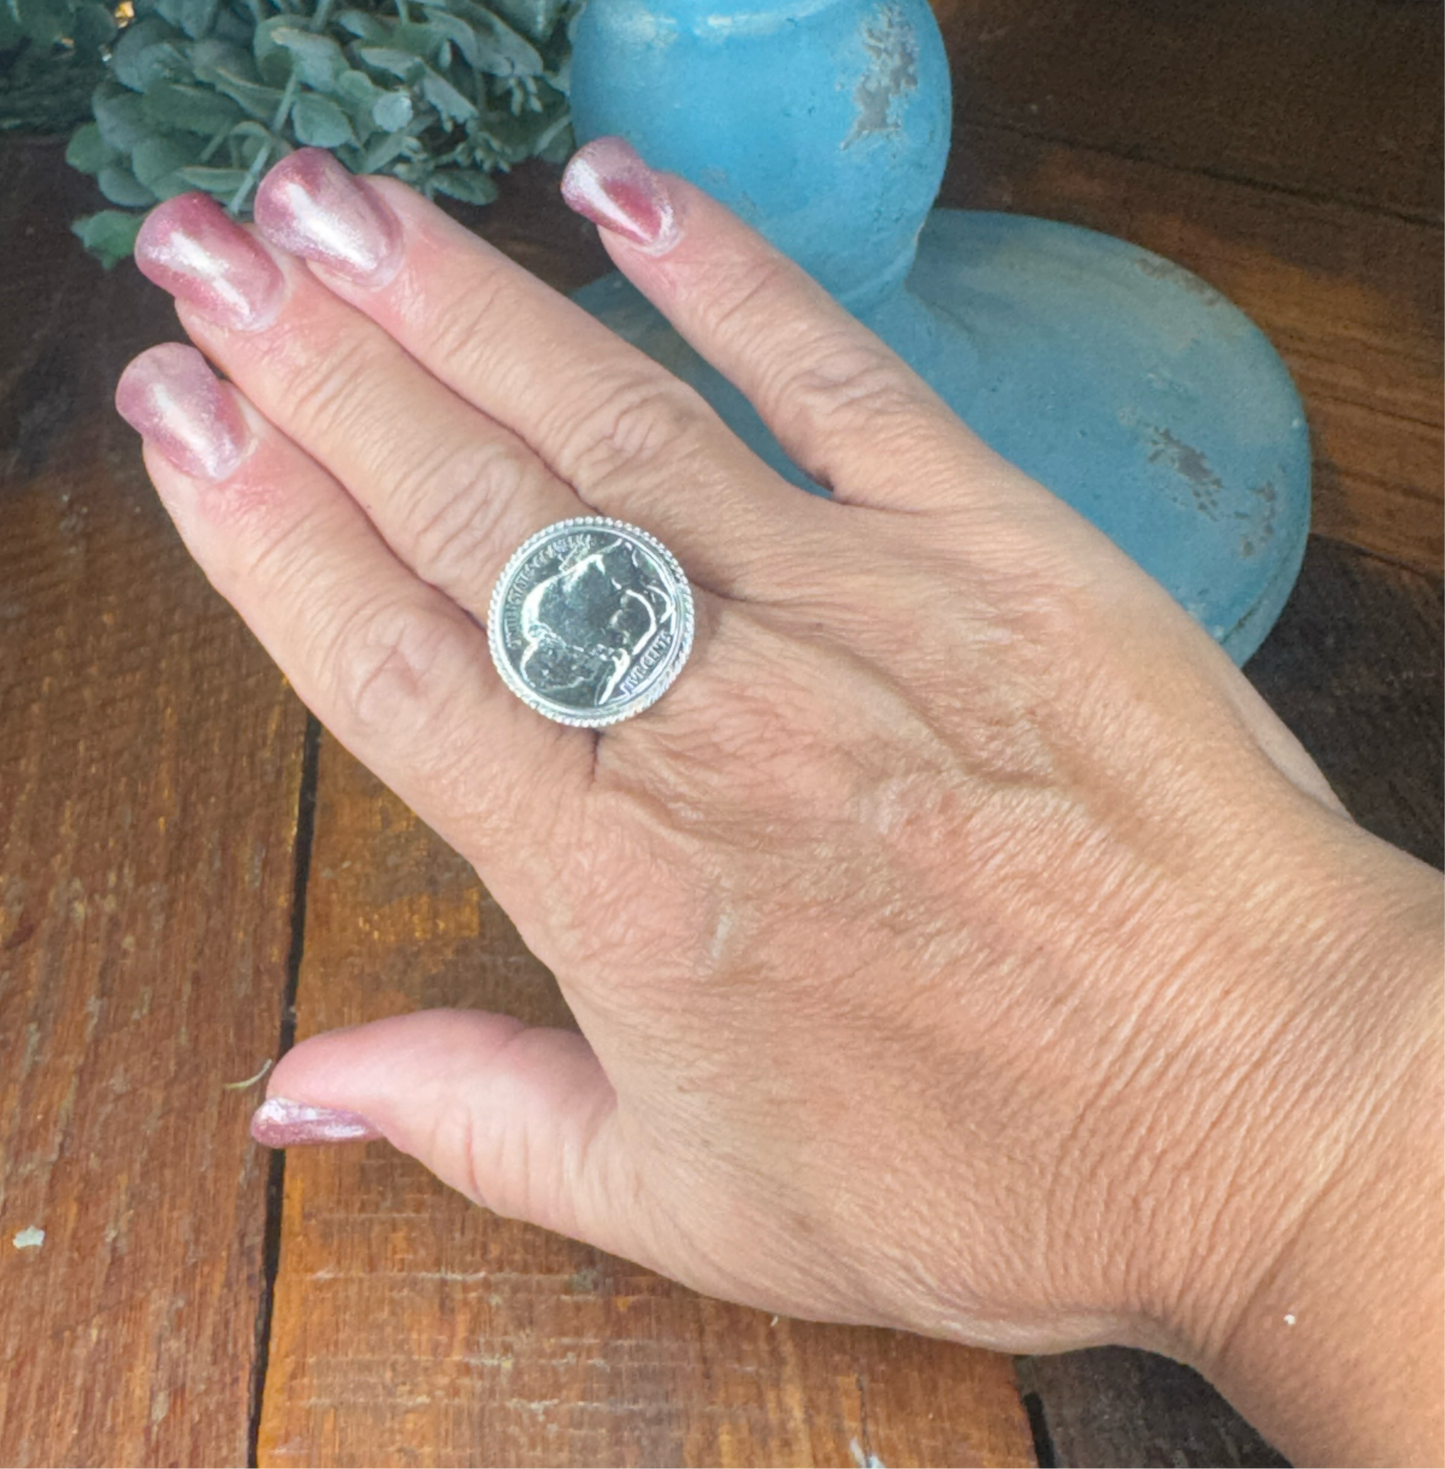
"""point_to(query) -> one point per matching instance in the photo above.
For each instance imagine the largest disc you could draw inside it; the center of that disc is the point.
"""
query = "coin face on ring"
(590, 621)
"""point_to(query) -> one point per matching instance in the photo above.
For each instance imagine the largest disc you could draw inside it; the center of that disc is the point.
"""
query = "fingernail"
(192, 248)
(609, 184)
(170, 396)
(313, 207)
(279, 1123)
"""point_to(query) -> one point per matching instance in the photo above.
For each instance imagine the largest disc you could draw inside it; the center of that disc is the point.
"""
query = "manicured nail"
(170, 396)
(313, 207)
(609, 184)
(192, 248)
(279, 1123)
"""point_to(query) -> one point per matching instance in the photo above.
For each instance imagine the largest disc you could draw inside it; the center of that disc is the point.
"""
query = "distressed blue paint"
(823, 123)
(1124, 383)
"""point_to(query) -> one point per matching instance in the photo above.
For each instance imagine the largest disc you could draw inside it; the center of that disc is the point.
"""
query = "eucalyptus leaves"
(207, 94)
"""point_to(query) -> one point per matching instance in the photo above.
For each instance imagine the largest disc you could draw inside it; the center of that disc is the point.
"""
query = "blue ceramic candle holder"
(1124, 383)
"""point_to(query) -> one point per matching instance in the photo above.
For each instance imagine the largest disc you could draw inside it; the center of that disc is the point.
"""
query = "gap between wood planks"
(276, 1175)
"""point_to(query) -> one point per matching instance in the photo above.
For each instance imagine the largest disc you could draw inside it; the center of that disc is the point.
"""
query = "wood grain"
(413, 1328)
(1335, 100)
(149, 768)
(1366, 693)
(1124, 1408)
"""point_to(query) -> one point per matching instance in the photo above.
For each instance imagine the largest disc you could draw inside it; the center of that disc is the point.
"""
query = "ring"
(590, 621)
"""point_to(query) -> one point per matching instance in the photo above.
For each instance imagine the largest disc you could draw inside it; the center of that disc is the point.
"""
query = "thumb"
(518, 1118)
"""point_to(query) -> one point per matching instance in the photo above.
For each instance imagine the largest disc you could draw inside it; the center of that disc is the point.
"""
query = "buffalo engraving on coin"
(591, 621)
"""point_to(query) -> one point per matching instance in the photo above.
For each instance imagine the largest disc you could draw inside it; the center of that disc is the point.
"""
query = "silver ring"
(590, 621)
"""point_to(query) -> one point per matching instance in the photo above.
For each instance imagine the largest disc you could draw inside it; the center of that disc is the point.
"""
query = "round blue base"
(1127, 385)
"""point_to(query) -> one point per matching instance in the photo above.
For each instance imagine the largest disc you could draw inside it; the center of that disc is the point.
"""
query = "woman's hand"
(959, 945)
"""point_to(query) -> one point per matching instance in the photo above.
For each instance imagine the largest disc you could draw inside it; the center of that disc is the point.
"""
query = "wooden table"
(192, 874)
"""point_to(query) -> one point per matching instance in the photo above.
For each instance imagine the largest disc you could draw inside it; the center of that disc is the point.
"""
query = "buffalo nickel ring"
(590, 621)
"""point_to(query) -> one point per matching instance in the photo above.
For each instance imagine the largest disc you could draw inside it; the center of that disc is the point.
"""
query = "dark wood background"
(192, 874)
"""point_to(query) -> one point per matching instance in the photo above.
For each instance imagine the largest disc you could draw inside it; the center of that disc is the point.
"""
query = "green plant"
(206, 94)
(52, 53)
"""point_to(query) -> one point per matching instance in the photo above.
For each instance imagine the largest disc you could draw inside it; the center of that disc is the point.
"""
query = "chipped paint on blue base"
(1125, 383)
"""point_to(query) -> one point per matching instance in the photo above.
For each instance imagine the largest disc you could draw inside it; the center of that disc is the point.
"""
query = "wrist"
(1315, 1302)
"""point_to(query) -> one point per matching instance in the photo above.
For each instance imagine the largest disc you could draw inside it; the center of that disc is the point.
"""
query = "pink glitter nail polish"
(311, 206)
(608, 183)
(280, 1123)
(170, 396)
(192, 248)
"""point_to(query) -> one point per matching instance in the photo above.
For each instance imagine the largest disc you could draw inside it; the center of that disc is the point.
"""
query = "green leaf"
(120, 186)
(145, 55)
(420, 40)
(87, 150)
(392, 111)
(534, 18)
(194, 17)
(274, 62)
(319, 122)
(363, 26)
(248, 139)
(558, 143)
(222, 182)
(388, 147)
(356, 89)
(468, 184)
(157, 162)
(192, 109)
(93, 26)
(446, 99)
(319, 60)
(504, 52)
(254, 100)
(119, 117)
(232, 25)
(109, 235)
(459, 33)
(386, 58)
(213, 54)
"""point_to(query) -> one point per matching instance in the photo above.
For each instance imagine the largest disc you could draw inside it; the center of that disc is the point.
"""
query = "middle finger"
(635, 441)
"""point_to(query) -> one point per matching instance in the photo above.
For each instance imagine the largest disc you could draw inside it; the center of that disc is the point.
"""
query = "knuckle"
(743, 298)
(847, 388)
(455, 501)
(474, 332)
(465, 328)
(271, 541)
(641, 420)
(384, 665)
(318, 386)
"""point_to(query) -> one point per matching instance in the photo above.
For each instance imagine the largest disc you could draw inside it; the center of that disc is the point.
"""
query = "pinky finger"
(395, 669)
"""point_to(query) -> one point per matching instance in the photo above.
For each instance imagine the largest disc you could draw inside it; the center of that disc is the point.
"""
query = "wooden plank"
(1354, 667)
(1335, 100)
(412, 1328)
(149, 765)
(1123, 1408)
(1351, 299)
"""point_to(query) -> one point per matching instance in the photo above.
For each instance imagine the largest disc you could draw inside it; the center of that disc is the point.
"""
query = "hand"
(959, 945)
